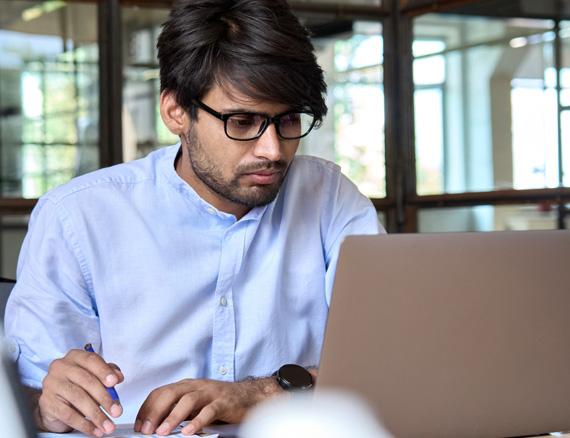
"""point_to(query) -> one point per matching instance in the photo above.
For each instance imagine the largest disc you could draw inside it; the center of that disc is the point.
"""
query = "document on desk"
(124, 431)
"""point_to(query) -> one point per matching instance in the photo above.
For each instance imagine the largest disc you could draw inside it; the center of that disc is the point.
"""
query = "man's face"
(232, 175)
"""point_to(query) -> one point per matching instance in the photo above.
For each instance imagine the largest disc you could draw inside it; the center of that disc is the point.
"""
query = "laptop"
(454, 335)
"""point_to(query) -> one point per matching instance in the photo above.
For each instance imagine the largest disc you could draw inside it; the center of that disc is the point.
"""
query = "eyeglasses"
(290, 125)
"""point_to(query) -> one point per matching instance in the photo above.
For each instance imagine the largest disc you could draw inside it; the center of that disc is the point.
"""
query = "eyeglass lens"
(248, 126)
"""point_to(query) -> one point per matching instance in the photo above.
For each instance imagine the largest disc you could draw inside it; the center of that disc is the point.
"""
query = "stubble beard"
(231, 189)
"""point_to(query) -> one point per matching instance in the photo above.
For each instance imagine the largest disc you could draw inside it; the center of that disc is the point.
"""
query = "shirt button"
(223, 301)
(223, 371)
(211, 210)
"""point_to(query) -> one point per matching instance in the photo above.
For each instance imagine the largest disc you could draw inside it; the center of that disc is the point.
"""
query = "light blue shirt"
(131, 259)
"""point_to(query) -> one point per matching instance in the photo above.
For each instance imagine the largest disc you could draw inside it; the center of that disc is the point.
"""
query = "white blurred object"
(327, 414)
(16, 422)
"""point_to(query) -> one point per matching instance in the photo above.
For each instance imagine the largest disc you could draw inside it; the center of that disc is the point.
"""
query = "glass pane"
(565, 132)
(565, 100)
(12, 232)
(352, 135)
(48, 93)
(489, 218)
(485, 104)
(429, 139)
(143, 130)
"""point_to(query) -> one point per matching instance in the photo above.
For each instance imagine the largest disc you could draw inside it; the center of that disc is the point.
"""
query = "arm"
(351, 213)
(52, 293)
(203, 402)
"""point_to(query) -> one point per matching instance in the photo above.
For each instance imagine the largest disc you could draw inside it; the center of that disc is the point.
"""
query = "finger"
(95, 364)
(106, 374)
(206, 416)
(45, 420)
(118, 371)
(186, 405)
(55, 409)
(81, 401)
(156, 407)
(96, 390)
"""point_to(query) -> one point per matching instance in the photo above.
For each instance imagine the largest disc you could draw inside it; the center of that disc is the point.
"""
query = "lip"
(263, 177)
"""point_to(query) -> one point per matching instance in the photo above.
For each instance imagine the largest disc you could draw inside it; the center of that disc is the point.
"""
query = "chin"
(259, 196)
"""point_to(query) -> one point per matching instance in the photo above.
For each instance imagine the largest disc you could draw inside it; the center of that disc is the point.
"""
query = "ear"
(173, 115)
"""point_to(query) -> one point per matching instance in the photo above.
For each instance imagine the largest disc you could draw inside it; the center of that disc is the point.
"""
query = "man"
(204, 267)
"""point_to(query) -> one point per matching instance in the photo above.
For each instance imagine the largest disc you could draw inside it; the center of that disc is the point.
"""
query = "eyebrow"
(249, 111)
(238, 110)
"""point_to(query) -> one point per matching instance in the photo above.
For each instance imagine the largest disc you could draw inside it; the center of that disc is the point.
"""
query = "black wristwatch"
(293, 377)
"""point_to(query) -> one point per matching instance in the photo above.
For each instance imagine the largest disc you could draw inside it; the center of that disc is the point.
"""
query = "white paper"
(124, 431)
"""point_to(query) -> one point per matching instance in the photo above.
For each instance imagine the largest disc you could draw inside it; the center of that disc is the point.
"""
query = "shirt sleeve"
(352, 213)
(50, 309)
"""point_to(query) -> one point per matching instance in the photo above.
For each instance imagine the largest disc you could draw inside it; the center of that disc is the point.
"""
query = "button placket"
(223, 344)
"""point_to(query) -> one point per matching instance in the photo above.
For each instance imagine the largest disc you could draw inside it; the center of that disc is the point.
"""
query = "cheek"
(290, 149)
(218, 149)
(227, 158)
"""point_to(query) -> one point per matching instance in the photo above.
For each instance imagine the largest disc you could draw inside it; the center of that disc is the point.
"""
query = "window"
(486, 106)
(48, 95)
(489, 218)
(353, 133)
(429, 76)
(143, 130)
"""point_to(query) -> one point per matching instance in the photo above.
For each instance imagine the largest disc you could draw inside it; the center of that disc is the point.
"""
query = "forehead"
(227, 98)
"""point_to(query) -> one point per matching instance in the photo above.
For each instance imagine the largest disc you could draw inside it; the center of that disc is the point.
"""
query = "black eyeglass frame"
(268, 121)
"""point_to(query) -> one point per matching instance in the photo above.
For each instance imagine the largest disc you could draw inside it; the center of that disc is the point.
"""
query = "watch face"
(294, 377)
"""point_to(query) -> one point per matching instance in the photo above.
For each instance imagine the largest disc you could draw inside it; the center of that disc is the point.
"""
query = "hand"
(204, 400)
(73, 393)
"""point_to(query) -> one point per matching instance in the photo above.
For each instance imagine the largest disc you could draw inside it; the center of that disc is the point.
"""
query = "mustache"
(278, 166)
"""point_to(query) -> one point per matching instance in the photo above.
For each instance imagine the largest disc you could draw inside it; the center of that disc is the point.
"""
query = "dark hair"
(256, 46)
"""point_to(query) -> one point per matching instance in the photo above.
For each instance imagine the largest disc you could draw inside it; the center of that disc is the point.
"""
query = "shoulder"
(316, 186)
(315, 166)
(318, 192)
(119, 177)
(320, 176)
(314, 172)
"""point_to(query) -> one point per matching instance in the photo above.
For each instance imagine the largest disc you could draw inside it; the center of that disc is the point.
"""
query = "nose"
(268, 146)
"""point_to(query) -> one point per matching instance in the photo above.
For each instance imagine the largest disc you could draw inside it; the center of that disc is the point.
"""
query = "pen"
(112, 392)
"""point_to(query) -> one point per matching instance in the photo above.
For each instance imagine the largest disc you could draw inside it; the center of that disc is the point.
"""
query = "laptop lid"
(454, 335)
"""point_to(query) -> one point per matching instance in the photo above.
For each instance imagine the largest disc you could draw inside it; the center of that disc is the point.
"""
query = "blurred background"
(451, 115)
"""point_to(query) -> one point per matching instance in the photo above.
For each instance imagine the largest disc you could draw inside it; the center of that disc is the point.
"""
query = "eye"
(244, 121)
(290, 119)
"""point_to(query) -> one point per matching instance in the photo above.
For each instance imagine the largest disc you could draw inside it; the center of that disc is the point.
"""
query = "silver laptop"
(454, 335)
